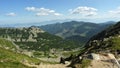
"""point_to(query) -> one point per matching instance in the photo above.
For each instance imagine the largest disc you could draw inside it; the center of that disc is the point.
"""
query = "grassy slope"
(5, 43)
(12, 65)
(115, 43)
(11, 59)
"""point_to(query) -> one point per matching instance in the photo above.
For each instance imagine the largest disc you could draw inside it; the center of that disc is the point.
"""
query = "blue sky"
(30, 11)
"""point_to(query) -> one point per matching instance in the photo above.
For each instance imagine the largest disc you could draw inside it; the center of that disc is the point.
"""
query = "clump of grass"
(12, 65)
(115, 43)
(85, 63)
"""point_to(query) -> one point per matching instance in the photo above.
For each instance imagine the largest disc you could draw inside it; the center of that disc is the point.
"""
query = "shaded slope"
(107, 40)
(72, 29)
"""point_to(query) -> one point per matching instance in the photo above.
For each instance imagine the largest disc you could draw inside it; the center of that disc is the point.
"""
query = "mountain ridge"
(80, 29)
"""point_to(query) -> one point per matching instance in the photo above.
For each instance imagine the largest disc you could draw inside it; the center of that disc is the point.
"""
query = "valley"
(59, 33)
(35, 47)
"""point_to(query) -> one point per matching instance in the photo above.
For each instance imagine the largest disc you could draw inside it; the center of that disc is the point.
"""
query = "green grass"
(15, 59)
(71, 52)
(6, 43)
(10, 59)
(115, 43)
(85, 63)
(12, 65)
(13, 56)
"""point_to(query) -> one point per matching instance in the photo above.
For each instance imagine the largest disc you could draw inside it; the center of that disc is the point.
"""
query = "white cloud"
(11, 14)
(86, 11)
(57, 14)
(30, 8)
(42, 11)
(115, 12)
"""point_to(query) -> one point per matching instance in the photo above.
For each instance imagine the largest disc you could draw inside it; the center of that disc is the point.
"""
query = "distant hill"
(76, 30)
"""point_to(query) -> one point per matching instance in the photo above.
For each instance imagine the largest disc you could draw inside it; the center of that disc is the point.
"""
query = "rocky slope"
(102, 49)
(33, 38)
(107, 40)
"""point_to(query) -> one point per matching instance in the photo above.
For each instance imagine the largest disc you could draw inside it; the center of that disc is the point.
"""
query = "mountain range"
(22, 47)
(76, 30)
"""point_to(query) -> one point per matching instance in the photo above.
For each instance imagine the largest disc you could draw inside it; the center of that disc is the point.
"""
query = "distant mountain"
(33, 23)
(76, 30)
(108, 22)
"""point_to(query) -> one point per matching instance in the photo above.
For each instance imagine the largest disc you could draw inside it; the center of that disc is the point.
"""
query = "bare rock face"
(106, 60)
(106, 56)
(95, 56)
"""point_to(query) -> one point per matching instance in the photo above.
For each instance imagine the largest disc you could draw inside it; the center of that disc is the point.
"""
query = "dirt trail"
(52, 66)
(42, 65)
